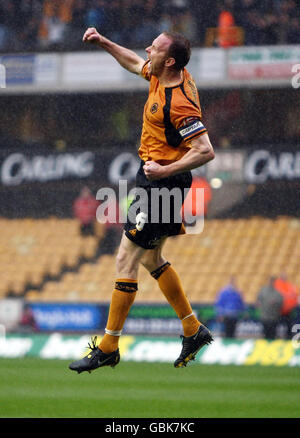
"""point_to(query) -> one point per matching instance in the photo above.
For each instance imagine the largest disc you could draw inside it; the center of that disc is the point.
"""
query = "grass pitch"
(37, 388)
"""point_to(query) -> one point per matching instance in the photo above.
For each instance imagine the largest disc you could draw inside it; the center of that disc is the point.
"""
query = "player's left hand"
(154, 170)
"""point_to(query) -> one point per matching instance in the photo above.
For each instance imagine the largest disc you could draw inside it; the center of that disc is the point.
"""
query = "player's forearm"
(194, 158)
(125, 57)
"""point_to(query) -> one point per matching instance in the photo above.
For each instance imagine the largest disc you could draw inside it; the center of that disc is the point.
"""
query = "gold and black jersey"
(171, 120)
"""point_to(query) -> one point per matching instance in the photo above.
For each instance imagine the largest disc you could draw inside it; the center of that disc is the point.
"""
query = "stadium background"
(71, 117)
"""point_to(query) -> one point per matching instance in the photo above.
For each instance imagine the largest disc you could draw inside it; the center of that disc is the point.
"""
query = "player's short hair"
(180, 49)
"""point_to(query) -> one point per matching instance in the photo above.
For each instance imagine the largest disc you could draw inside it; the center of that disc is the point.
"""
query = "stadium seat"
(33, 249)
(250, 249)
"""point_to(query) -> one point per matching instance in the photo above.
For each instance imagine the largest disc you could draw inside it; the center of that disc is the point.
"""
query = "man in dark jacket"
(269, 302)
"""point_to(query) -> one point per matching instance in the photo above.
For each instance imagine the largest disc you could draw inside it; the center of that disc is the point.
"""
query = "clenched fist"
(91, 36)
(154, 170)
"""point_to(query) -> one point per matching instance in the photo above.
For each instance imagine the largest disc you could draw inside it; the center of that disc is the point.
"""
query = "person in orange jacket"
(290, 295)
(227, 31)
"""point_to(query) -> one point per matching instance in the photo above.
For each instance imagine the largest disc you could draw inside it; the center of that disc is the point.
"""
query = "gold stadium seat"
(249, 249)
(31, 249)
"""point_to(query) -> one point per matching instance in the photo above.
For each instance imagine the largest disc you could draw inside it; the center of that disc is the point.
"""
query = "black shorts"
(155, 211)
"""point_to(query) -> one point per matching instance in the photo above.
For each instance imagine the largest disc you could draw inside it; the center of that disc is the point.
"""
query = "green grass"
(37, 388)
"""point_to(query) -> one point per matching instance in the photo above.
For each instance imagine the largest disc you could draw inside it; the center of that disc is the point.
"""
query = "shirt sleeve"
(187, 120)
(186, 117)
(192, 129)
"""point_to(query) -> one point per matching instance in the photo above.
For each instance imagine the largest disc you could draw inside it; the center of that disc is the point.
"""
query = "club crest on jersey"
(133, 232)
(154, 108)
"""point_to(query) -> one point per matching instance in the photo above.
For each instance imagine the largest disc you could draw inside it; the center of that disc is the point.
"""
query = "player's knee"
(152, 261)
(146, 264)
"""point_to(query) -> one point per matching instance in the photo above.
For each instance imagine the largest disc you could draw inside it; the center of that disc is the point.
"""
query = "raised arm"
(125, 57)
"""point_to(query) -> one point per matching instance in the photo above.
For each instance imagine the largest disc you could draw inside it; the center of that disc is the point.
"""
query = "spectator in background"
(290, 296)
(76, 25)
(248, 17)
(84, 209)
(144, 32)
(27, 16)
(95, 16)
(184, 22)
(227, 31)
(55, 24)
(27, 323)
(229, 306)
(269, 302)
(118, 20)
(57, 14)
(164, 23)
(143, 27)
(155, 8)
(78, 19)
(193, 208)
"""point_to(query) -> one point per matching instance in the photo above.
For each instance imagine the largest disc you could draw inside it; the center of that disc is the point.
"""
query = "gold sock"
(170, 284)
(122, 298)
(190, 325)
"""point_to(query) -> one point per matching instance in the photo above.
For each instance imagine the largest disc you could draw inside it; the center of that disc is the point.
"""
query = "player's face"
(157, 53)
